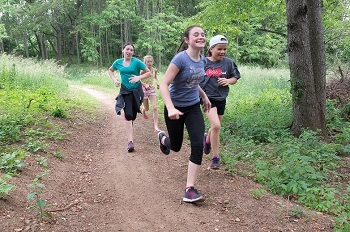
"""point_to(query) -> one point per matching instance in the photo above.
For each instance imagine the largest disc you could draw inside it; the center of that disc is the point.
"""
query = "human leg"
(214, 130)
(153, 100)
(215, 118)
(194, 122)
(145, 108)
(195, 127)
(191, 194)
(175, 129)
(129, 117)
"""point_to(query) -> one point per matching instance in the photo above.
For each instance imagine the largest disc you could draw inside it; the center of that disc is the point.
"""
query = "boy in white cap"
(220, 73)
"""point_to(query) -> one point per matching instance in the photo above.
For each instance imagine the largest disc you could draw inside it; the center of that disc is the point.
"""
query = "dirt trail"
(102, 187)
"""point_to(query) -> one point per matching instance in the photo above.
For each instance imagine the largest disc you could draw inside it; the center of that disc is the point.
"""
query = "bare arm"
(156, 79)
(144, 74)
(112, 76)
(169, 76)
(206, 102)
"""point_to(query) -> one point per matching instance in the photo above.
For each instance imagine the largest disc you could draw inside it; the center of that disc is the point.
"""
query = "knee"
(216, 127)
(196, 157)
(129, 117)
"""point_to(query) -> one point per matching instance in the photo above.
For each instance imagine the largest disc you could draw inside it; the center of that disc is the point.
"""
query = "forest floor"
(99, 186)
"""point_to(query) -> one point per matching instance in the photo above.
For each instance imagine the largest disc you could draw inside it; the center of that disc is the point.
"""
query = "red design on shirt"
(215, 72)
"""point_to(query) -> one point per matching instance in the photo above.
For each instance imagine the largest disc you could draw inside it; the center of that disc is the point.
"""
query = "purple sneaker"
(163, 148)
(131, 147)
(192, 195)
(215, 162)
(206, 146)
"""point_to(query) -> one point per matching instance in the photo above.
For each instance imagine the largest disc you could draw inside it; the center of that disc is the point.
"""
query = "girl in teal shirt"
(130, 96)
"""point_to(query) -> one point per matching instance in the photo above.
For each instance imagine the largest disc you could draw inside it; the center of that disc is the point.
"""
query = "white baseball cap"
(218, 39)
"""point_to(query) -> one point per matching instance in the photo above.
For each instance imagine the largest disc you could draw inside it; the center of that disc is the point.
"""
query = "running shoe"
(215, 163)
(206, 146)
(131, 147)
(192, 195)
(162, 147)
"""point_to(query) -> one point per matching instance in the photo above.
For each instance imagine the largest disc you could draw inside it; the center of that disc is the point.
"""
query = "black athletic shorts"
(220, 106)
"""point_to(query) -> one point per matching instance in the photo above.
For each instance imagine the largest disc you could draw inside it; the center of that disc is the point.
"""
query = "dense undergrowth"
(35, 100)
(255, 131)
(260, 145)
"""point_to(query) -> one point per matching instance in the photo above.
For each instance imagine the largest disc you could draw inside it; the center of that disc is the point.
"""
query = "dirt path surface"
(99, 186)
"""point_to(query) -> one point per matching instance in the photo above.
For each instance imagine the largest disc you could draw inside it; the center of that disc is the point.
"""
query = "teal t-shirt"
(135, 67)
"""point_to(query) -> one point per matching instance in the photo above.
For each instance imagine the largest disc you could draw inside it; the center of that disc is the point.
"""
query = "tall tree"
(307, 64)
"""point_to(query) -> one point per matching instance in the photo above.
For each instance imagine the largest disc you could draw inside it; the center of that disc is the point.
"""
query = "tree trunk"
(2, 49)
(101, 46)
(307, 64)
(77, 48)
(107, 46)
(39, 38)
(72, 44)
(127, 31)
(25, 44)
(59, 44)
(318, 56)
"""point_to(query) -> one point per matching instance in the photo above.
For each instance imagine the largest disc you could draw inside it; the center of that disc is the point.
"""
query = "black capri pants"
(194, 122)
(130, 108)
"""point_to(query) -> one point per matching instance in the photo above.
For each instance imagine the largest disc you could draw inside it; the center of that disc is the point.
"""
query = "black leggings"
(130, 108)
(193, 119)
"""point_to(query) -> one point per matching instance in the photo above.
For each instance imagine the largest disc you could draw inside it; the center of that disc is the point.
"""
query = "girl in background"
(181, 94)
(149, 89)
(130, 96)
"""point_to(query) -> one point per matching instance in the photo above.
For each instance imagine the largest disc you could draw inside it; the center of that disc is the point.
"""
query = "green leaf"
(41, 203)
(31, 195)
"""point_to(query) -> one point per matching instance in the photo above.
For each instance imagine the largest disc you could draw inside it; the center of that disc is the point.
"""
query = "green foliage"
(296, 165)
(270, 101)
(88, 75)
(58, 155)
(42, 161)
(336, 25)
(11, 163)
(296, 212)
(258, 193)
(28, 98)
(5, 187)
(10, 129)
(257, 143)
(37, 190)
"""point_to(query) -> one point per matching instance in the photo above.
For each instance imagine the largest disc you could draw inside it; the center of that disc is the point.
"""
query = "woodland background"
(93, 31)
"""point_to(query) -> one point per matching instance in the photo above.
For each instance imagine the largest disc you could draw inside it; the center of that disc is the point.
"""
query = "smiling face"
(149, 62)
(128, 51)
(218, 52)
(196, 38)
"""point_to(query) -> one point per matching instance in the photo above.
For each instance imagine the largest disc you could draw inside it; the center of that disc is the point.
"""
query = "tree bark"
(317, 45)
(307, 64)
(25, 44)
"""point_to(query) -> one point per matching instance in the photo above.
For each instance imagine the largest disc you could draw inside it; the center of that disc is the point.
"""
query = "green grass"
(35, 101)
(258, 144)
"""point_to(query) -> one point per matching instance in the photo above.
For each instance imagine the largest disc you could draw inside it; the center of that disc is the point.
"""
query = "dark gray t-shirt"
(224, 68)
(184, 88)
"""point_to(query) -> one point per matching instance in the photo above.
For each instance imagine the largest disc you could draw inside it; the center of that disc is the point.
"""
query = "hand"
(223, 81)
(174, 114)
(206, 104)
(134, 79)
